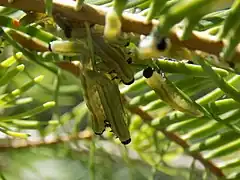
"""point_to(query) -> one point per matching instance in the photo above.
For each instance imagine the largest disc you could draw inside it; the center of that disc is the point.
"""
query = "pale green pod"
(93, 102)
(170, 94)
(113, 24)
(112, 105)
(68, 48)
(114, 59)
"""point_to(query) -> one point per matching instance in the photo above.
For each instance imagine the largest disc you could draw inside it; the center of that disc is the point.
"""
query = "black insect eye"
(126, 142)
(68, 32)
(107, 124)
(50, 47)
(231, 65)
(129, 60)
(162, 44)
(127, 44)
(147, 73)
(190, 62)
(128, 83)
(99, 134)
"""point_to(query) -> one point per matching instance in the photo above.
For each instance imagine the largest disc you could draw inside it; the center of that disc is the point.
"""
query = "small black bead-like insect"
(231, 64)
(148, 72)
(128, 83)
(67, 31)
(99, 134)
(126, 142)
(127, 44)
(162, 44)
(107, 124)
(129, 60)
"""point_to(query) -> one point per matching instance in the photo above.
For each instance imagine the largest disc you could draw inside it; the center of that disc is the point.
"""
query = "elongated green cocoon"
(11, 60)
(112, 105)
(171, 94)
(68, 48)
(177, 116)
(113, 25)
(93, 102)
(114, 59)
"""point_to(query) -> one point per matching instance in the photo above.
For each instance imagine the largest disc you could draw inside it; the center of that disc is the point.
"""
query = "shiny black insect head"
(231, 64)
(50, 47)
(127, 44)
(126, 142)
(107, 123)
(99, 134)
(68, 31)
(128, 83)
(148, 72)
(162, 44)
(129, 60)
(190, 62)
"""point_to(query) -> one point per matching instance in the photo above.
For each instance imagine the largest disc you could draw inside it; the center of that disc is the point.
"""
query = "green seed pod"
(170, 94)
(113, 20)
(93, 102)
(114, 59)
(112, 105)
(68, 48)
(113, 25)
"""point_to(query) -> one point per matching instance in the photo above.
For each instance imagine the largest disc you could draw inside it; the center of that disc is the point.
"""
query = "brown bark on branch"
(23, 143)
